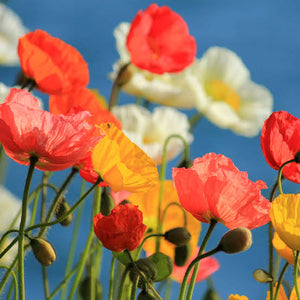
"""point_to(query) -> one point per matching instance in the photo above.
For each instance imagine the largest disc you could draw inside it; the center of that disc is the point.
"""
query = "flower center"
(220, 91)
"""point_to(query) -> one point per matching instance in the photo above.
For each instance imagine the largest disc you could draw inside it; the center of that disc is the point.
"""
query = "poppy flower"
(82, 99)
(122, 229)
(159, 41)
(284, 213)
(207, 267)
(150, 130)
(281, 294)
(55, 66)
(214, 189)
(282, 249)
(121, 163)
(58, 142)
(280, 141)
(237, 297)
(227, 95)
(148, 204)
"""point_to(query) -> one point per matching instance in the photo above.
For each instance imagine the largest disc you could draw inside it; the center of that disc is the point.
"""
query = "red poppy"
(213, 188)
(58, 142)
(159, 41)
(122, 229)
(280, 141)
(55, 66)
(82, 99)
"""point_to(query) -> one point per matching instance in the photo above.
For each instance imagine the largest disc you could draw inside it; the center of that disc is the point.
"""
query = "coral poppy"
(207, 267)
(159, 41)
(214, 189)
(148, 204)
(280, 141)
(121, 163)
(122, 229)
(55, 66)
(58, 142)
(284, 213)
(150, 130)
(82, 99)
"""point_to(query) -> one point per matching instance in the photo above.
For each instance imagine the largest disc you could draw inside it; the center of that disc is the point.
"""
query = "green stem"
(280, 280)
(280, 174)
(45, 281)
(33, 161)
(271, 253)
(111, 277)
(144, 240)
(181, 208)
(122, 283)
(134, 288)
(212, 225)
(194, 119)
(15, 283)
(296, 273)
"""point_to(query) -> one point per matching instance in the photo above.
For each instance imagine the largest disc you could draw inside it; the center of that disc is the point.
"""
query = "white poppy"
(150, 130)
(227, 95)
(172, 89)
(11, 28)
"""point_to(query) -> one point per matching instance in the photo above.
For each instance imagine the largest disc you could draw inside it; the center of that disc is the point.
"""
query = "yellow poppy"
(237, 297)
(282, 249)
(281, 294)
(148, 204)
(121, 163)
(284, 213)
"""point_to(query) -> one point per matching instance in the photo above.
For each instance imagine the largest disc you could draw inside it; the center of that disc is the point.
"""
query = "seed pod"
(178, 236)
(43, 251)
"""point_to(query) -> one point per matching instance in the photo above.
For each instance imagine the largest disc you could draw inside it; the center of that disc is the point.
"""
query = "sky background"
(265, 34)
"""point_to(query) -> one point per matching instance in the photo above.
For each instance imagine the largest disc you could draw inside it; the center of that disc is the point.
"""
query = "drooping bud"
(178, 236)
(61, 209)
(43, 251)
(211, 294)
(124, 75)
(144, 295)
(182, 253)
(85, 288)
(236, 240)
(262, 276)
(107, 203)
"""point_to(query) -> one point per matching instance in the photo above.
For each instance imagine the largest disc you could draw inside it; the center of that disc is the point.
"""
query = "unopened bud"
(297, 157)
(178, 236)
(182, 253)
(61, 209)
(236, 240)
(144, 295)
(85, 288)
(123, 202)
(124, 75)
(262, 276)
(107, 203)
(43, 251)
(211, 294)
(185, 164)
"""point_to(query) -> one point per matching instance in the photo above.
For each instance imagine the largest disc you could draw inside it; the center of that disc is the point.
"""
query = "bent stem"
(33, 161)
(295, 274)
(280, 174)
(195, 263)
(280, 280)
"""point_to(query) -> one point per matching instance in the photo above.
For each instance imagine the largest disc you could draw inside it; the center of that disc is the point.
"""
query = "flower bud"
(178, 236)
(144, 295)
(43, 251)
(182, 253)
(185, 164)
(107, 203)
(61, 209)
(211, 294)
(236, 240)
(85, 288)
(262, 276)
(297, 157)
(124, 75)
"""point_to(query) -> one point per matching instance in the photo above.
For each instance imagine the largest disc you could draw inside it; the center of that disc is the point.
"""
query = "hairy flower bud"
(182, 254)
(85, 288)
(107, 203)
(144, 295)
(61, 209)
(262, 276)
(43, 251)
(178, 236)
(236, 240)
(124, 75)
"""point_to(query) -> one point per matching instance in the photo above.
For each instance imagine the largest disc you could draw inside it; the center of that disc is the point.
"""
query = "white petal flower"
(227, 96)
(11, 28)
(172, 89)
(150, 130)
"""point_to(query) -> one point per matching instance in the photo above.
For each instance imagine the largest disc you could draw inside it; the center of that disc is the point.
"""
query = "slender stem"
(280, 174)
(15, 283)
(181, 208)
(295, 274)
(134, 288)
(271, 254)
(122, 283)
(111, 277)
(33, 161)
(194, 119)
(45, 281)
(190, 267)
(168, 290)
(142, 275)
(280, 280)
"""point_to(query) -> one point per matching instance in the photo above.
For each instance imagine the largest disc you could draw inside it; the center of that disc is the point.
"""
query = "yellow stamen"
(220, 91)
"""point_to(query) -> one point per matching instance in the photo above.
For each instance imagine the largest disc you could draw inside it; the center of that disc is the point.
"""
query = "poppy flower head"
(280, 142)
(122, 229)
(159, 41)
(58, 142)
(55, 66)
(214, 188)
